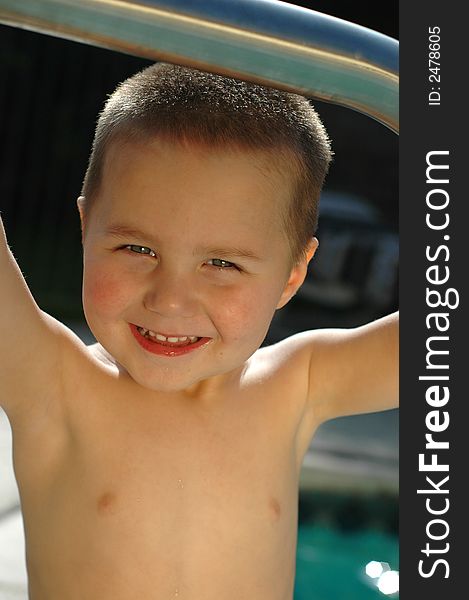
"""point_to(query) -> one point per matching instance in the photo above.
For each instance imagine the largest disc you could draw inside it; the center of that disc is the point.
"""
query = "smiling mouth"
(165, 345)
(167, 340)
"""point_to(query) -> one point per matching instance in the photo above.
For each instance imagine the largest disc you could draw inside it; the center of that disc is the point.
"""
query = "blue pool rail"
(265, 41)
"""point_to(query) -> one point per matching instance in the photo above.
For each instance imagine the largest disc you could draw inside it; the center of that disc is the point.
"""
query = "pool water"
(330, 563)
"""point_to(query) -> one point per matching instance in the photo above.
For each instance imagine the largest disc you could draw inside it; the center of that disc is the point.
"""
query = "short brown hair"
(185, 104)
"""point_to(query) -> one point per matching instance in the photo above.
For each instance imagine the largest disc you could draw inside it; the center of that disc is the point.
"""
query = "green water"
(330, 564)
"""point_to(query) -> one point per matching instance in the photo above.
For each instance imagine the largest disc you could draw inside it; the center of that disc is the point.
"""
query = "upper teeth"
(164, 338)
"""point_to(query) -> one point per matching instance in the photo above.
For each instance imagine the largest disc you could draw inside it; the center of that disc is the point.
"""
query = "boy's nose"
(170, 295)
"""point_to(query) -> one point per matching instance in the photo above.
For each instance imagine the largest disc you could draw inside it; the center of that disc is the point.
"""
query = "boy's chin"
(155, 379)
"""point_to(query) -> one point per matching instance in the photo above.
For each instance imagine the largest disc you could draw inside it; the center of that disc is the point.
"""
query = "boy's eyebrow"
(125, 231)
(227, 252)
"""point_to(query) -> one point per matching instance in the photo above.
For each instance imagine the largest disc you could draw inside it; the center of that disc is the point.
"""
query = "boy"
(163, 461)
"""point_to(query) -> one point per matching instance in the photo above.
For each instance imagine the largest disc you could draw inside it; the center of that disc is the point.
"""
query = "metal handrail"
(265, 41)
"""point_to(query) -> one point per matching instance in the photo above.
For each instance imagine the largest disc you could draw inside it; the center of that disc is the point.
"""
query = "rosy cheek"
(103, 291)
(243, 313)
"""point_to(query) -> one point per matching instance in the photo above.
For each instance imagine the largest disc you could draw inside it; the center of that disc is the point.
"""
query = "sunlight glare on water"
(389, 582)
(375, 569)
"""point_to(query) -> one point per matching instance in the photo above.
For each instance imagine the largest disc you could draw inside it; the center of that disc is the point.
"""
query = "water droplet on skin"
(176, 593)
(180, 484)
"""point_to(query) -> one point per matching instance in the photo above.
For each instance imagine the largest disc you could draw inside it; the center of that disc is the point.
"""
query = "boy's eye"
(222, 264)
(140, 250)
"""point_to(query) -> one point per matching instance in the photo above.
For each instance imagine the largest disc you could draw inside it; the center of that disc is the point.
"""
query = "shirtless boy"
(163, 462)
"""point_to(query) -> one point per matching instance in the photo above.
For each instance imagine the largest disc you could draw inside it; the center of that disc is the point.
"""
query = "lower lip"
(164, 350)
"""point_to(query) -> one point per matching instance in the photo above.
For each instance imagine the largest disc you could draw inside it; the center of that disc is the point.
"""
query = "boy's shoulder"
(281, 370)
(343, 371)
(292, 355)
(282, 358)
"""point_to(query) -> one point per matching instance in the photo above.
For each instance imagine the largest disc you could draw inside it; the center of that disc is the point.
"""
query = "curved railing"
(265, 41)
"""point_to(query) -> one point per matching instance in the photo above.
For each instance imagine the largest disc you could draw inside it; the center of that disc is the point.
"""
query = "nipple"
(106, 503)
(275, 508)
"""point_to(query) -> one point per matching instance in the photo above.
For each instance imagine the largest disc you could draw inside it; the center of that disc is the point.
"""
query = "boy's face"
(186, 242)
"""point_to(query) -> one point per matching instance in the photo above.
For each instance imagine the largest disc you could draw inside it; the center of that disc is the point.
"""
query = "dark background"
(51, 93)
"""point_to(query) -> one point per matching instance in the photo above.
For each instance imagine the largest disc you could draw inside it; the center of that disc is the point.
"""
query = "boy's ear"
(298, 274)
(81, 209)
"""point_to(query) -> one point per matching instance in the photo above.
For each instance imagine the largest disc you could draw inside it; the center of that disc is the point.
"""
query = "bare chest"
(187, 469)
(176, 502)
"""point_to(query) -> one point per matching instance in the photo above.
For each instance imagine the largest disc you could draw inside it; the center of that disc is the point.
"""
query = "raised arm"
(29, 344)
(354, 370)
